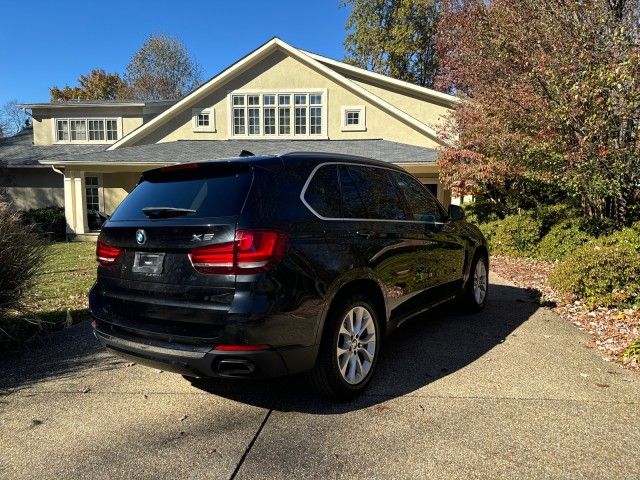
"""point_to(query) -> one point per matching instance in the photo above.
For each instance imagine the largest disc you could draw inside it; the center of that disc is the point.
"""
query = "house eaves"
(440, 97)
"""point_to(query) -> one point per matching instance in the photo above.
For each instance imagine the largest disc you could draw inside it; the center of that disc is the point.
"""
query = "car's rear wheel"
(474, 296)
(349, 350)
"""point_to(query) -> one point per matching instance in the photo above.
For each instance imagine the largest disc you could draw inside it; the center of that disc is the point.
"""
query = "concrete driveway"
(511, 392)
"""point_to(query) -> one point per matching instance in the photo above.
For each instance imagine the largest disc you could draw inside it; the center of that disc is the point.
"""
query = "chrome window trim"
(310, 208)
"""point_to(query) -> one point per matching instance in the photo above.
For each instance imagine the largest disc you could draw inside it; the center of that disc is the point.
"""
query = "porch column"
(74, 202)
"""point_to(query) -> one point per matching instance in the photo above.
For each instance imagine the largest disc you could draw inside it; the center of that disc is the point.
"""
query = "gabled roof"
(19, 150)
(449, 100)
(252, 58)
(184, 151)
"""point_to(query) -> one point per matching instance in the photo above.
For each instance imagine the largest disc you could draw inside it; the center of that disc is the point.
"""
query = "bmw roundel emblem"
(141, 237)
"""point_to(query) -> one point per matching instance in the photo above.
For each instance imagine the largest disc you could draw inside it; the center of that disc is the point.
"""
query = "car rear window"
(210, 192)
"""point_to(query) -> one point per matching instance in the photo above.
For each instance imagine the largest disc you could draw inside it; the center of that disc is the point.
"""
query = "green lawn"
(63, 282)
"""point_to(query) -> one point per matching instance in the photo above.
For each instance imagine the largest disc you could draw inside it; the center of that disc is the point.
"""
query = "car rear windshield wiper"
(166, 212)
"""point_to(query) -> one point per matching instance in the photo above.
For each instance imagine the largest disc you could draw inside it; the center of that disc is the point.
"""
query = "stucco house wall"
(28, 188)
(270, 75)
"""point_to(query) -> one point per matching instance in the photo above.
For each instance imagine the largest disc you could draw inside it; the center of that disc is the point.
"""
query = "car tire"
(349, 350)
(476, 291)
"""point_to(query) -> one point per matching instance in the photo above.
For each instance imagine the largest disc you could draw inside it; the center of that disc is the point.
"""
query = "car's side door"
(383, 235)
(444, 251)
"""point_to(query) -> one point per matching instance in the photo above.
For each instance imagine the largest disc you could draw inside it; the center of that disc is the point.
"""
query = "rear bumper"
(197, 361)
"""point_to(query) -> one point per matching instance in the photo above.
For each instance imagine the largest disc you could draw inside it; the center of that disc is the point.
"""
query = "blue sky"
(45, 43)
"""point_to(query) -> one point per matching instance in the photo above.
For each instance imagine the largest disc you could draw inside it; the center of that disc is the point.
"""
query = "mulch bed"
(612, 330)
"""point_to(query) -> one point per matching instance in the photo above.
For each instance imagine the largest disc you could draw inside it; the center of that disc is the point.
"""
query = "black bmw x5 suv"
(268, 266)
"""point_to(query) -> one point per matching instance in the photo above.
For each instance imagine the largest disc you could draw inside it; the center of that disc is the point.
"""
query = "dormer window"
(86, 130)
(278, 114)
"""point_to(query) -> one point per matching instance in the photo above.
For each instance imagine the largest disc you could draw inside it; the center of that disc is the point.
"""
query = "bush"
(489, 230)
(21, 254)
(604, 272)
(49, 222)
(562, 239)
(551, 215)
(517, 235)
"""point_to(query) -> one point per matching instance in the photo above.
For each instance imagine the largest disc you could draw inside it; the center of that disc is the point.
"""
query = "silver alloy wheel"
(356, 346)
(480, 282)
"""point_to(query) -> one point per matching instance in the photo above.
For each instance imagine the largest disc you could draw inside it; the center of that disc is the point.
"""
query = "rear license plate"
(150, 263)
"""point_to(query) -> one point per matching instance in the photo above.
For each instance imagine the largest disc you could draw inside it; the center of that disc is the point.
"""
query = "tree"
(552, 95)
(394, 37)
(162, 69)
(97, 85)
(12, 119)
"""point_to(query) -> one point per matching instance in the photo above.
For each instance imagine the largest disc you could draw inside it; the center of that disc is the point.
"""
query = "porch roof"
(19, 150)
(183, 151)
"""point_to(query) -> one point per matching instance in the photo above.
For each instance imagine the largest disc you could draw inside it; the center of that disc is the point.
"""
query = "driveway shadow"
(62, 354)
(421, 351)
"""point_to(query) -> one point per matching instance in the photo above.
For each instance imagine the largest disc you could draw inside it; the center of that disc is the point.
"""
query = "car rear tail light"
(252, 251)
(106, 254)
(242, 348)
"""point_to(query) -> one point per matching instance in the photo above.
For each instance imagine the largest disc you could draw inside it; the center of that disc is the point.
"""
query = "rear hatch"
(151, 287)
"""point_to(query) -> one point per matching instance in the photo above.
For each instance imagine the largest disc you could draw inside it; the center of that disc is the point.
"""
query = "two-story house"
(276, 99)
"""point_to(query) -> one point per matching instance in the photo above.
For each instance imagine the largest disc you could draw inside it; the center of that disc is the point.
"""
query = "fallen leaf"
(35, 422)
(85, 389)
(602, 385)
(183, 418)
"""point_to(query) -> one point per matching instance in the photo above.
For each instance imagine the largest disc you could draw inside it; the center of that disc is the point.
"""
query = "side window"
(424, 207)
(376, 192)
(353, 205)
(323, 192)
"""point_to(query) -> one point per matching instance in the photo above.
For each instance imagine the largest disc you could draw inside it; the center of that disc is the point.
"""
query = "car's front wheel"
(474, 295)
(349, 350)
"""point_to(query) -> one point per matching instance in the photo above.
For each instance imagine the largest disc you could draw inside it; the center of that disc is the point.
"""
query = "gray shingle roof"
(198, 150)
(19, 150)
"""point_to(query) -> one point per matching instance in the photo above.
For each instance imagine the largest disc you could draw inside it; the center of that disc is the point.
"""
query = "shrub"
(489, 230)
(517, 235)
(48, 221)
(551, 215)
(604, 272)
(562, 239)
(21, 254)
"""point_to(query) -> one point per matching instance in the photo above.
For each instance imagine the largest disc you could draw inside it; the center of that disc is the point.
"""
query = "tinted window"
(369, 193)
(323, 192)
(424, 207)
(213, 195)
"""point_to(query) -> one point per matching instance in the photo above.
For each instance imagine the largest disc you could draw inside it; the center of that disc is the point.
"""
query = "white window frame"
(86, 121)
(195, 112)
(100, 190)
(292, 92)
(362, 118)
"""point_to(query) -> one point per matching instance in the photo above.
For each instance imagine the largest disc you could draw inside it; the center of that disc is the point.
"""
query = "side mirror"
(456, 212)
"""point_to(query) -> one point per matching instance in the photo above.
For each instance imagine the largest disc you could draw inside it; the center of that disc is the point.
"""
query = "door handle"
(365, 233)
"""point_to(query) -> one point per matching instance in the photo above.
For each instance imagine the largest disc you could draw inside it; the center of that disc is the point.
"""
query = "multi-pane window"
(353, 118)
(86, 130)
(112, 130)
(78, 129)
(301, 120)
(269, 121)
(91, 187)
(96, 130)
(285, 114)
(203, 119)
(62, 128)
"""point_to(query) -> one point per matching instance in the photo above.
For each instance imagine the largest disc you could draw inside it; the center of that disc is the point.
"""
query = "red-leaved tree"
(552, 91)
